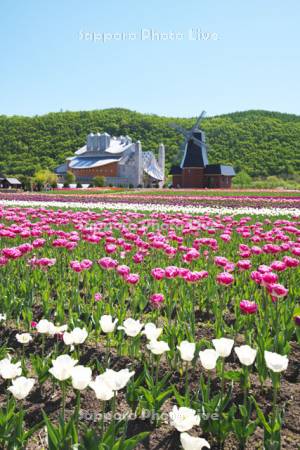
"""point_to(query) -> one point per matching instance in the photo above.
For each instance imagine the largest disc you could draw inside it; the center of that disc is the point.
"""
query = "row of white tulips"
(107, 384)
(222, 210)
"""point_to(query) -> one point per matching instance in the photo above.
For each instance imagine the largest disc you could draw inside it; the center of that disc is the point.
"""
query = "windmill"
(189, 134)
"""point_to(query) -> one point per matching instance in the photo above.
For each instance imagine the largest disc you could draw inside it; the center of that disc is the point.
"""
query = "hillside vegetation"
(259, 142)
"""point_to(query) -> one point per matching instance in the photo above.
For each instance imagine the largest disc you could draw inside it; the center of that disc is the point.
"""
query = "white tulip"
(56, 329)
(107, 324)
(276, 362)
(246, 354)
(62, 367)
(44, 326)
(102, 391)
(192, 443)
(208, 358)
(223, 346)
(21, 387)
(81, 377)
(23, 338)
(151, 331)
(158, 347)
(75, 337)
(8, 370)
(187, 350)
(79, 335)
(183, 419)
(2, 317)
(68, 338)
(116, 380)
(131, 327)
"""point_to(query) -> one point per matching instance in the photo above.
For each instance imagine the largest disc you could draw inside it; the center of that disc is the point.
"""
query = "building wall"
(193, 177)
(131, 169)
(109, 170)
(161, 162)
(177, 180)
(218, 181)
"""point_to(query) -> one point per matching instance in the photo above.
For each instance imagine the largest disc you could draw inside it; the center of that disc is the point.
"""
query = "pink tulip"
(157, 299)
(98, 297)
(225, 278)
(110, 248)
(269, 278)
(171, 271)
(244, 264)
(221, 261)
(3, 261)
(277, 290)
(123, 270)
(138, 258)
(248, 307)
(107, 263)
(256, 276)
(278, 266)
(291, 262)
(132, 278)
(193, 277)
(158, 273)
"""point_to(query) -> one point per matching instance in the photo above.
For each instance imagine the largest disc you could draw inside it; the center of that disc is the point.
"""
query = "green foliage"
(261, 143)
(70, 178)
(44, 177)
(99, 181)
(27, 182)
(242, 180)
(13, 434)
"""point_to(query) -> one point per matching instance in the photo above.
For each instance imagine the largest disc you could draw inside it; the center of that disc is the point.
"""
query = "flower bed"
(150, 330)
(167, 203)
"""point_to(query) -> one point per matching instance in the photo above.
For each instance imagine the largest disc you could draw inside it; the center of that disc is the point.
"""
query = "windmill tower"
(194, 170)
(193, 154)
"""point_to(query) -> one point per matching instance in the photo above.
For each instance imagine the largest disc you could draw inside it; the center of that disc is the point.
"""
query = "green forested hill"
(259, 142)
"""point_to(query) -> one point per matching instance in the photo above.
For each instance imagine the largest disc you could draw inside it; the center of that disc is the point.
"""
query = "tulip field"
(138, 328)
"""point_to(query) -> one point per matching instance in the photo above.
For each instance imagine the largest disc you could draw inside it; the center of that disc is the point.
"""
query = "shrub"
(70, 178)
(99, 181)
(242, 180)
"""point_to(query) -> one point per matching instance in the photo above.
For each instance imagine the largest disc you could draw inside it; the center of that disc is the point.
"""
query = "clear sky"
(248, 58)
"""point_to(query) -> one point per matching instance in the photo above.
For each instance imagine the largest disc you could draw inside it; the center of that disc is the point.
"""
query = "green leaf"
(261, 416)
(233, 375)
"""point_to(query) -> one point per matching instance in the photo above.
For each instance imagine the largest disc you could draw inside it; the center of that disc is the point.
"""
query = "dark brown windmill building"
(194, 170)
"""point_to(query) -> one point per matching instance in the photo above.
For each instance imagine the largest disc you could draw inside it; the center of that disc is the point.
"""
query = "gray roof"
(13, 180)
(219, 169)
(62, 169)
(87, 163)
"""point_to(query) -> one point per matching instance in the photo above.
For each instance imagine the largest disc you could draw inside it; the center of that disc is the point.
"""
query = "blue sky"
(251, 62)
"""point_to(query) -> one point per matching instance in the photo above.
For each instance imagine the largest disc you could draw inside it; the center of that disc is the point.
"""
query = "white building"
(119, 160)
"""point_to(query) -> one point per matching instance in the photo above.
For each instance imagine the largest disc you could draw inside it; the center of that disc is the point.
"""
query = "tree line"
(260, 143)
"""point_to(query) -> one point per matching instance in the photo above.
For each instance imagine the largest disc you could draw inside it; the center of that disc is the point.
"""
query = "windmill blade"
(179, 129)
(202, 115)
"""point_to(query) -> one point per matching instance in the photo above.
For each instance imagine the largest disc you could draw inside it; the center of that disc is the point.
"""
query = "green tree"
(99, 181)
(69, 179)
(261, 143)
(45, 177)
(242, 180)
(27, 182)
